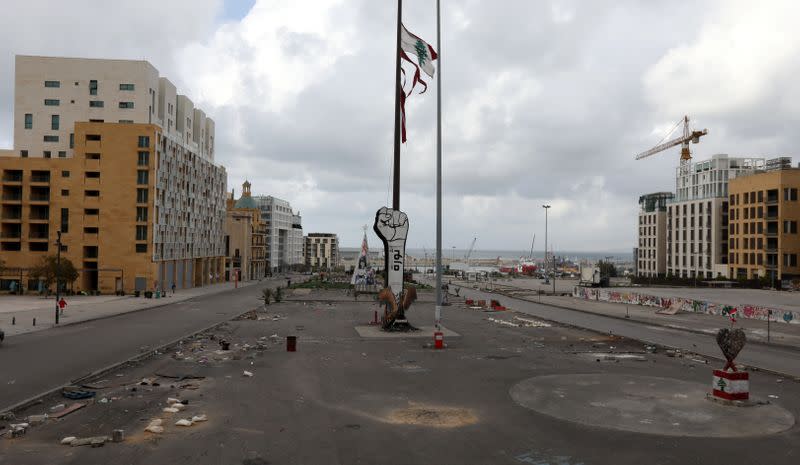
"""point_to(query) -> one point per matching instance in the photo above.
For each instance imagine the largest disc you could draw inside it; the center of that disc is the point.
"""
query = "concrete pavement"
(23, 309)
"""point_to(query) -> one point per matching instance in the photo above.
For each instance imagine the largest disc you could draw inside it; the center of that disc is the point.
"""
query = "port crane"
(687, 136)
(469, 251)
(530, 255)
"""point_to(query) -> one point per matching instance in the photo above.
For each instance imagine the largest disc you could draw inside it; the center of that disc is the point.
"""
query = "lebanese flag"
(425, 54)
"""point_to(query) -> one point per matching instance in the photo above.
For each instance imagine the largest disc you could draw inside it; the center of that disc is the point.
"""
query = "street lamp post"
(546, 208)
(58, 272)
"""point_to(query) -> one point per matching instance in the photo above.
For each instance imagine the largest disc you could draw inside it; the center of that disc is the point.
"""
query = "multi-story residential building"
(245, 238)
(697, 218)
(651, 254)
(284, 249)
(322, 251)
(764, 214)
(140, 201)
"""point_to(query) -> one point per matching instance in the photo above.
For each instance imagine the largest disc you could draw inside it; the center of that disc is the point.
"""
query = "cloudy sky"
(544, 101)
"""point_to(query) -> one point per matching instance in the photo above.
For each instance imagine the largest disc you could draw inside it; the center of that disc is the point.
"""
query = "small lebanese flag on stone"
(731, 385)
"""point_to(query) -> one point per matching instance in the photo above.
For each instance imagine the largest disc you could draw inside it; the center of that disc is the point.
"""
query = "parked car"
(2, 335)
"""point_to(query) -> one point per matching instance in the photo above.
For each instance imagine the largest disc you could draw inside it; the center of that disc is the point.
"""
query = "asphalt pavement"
(37, 362)
(345, 399)
(777, 359)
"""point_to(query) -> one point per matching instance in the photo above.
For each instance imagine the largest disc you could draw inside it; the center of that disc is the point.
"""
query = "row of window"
(92, 86)
(789, 195)
(789, 259)
(54, 102)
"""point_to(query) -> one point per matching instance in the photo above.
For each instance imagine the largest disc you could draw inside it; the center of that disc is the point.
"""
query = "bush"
(266, 295)
(278, 294)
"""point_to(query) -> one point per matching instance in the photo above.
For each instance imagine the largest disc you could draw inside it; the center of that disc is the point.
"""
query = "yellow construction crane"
(683, 141)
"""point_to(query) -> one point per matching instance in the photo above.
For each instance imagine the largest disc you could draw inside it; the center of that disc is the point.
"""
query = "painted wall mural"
(674, 304)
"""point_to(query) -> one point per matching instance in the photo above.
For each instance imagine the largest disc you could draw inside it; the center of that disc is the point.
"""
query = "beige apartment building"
(106, 152)
(245, 238)
(651, 259)
(764, 215)
(322, 251)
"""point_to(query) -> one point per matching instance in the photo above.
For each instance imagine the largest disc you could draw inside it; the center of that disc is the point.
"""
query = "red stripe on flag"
(731, 395)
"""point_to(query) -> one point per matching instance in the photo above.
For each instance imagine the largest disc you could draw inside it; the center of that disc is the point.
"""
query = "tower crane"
(683, 141)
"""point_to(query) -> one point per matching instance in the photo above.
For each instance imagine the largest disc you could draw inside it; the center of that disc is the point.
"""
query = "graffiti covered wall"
(756, 312)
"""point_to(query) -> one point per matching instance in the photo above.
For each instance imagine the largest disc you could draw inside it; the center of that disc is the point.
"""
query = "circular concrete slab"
(646, 404)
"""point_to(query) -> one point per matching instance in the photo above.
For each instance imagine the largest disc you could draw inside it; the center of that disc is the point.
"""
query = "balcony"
(12, 176)
(11, 234)
(40, 177)
(12, 194)
(38, 236)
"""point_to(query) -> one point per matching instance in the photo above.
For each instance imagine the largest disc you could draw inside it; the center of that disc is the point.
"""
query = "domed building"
(245, 238)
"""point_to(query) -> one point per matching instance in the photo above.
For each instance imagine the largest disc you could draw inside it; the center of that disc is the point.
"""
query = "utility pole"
(397, 90)
(546, 208)
(58, 272)
(439, 301)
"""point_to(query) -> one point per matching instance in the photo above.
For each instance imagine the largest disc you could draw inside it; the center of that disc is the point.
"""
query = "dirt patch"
(435, 417)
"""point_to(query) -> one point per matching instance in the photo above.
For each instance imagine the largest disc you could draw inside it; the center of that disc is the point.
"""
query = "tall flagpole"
(397, 90)
(438, 172)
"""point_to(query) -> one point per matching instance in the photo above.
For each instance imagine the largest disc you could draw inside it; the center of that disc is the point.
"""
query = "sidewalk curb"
(136, 310)
(136, 358)
(688, 330)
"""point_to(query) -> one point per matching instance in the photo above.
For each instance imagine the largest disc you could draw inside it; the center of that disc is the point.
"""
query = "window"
(52, 102)
(126, 121)
(92, 156)
(23, 153)
(54, 122)
(52, 83)
(126, 87)
(91, 230)
(96, 104)
(65, 174)
(141, 213)
(46, 154)
(141, 248)
(65, 192)
(92, 193)
(144, 141)
(91, 211)
(126, 104)
(62, 154)
(72, 140)
(793, 193)
(28, 121)
(144, 158)
(142, 176)
(141, 233)
(64, 220)
(93, 174)
(93, 137)
(93, 87)
(790, 227)
(141, 195)
(50, 138)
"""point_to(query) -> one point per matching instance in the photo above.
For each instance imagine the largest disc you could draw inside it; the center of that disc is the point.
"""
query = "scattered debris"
(170, 410)
(183, 422)
(650, 349)
(149, 382)
(76, 393)
(118, 435)
(172, 400)
(103, 400)
(35, 420)
(531, 323)
(247, 373)
(199, 418)
(94, 441)
(68, 440)
(772, 396)
(57, 408)
(68, 410)
(155, 426)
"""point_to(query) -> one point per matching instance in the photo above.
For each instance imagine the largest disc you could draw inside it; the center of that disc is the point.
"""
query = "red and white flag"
(425, 55)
